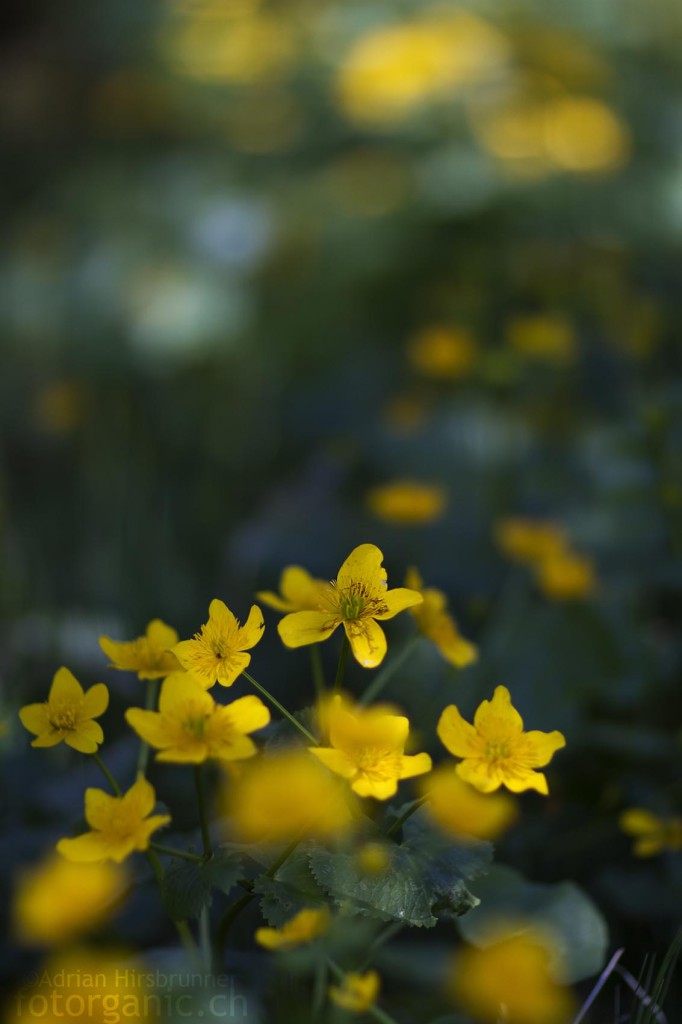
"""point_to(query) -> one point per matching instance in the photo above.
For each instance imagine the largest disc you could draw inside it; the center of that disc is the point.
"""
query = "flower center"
(195, 726)
(496, 750)
(378, 762)
(63, 719)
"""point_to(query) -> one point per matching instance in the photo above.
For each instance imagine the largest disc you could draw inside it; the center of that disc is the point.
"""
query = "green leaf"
(186, 888)
(293, 888)
(563, 910)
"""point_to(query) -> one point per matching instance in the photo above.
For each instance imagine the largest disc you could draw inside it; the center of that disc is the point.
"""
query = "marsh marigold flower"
(358, 598)
(367, 749)
(190, 727)
(546, 337)
(55, 900)
(461, 810)
(652, 834)
(304, 927)
(443, 352)
(282, 796)
(299, 591)
(218, 652)
(436, 623)
(67, 714)
(407, 502)
(149, 655)
(357, 993)
(514, 973)
(529, 540)
(566, 576)
(120, 824)
(496, 750)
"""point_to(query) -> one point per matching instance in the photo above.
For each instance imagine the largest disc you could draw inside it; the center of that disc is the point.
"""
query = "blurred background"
(263, 258)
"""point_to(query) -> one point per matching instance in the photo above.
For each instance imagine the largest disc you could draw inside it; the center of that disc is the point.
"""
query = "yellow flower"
(304, 927)
(527, 540)
(566, 576)
(448, 353)
(407, 503)
(460, 810)
(190, 727)
(67, 714)
(357, 992)
(367, 747)
(652, 834)
(298, 589)
(218, 652)
(513, 973)
(280, 797)
(436, 623)
(357, 598)
(56, 900)
(149, 655)
(373, 858)
(495, 748)
(120, 824)
(545, 336)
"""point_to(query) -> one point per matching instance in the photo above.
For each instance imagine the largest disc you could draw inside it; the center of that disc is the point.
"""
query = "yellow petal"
(85, 737)
(179, 689)
(90, 847)
(370, 785)
(415, 764)
(301, 628)
(147, 827)
(457, 735)
(478, 775)
(363, 564)
(367, 641)
(231, 668)
(335, 760)
(193, 753)
(95, 701)
(140, 798)
(498, 715)
(458, 652)
(34, 718)
(230, 746)
(161, 636)
(149, 726)
(121, 654)
(639, 822)
(273, 600)
(49, 739)
(221, 616)
(397, 600)
(252, 630)
(65, 687)
(99, 807)
(300, 588)
(246, 714)
(540, 747)
(523, 779)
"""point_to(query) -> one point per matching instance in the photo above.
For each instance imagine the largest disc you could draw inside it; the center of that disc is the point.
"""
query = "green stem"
(280, 707)
(233, 912)
(399, 822)
(318, 671)
(109, 777)
(149, 704)
(182, 927)
(172, 852)
(341, 667)
(373, 1011)
(203, 816)
(387, 673)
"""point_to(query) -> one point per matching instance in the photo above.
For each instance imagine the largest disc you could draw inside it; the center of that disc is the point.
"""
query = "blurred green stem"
(341, 667)
(203, 816)
(399, 822)
(280, 707)
(182, 927)
(384, 677)
(109, 777)
(149, 704)
(172, 852)
(318, 671)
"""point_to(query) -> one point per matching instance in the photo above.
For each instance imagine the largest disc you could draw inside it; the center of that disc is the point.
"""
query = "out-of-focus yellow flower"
(447, 353)
(190, 727)
(513, 973)
(215, 44)
(149, 655)
(407, 503)
(495, 748)
(299, 591)
(373, 858)
(461, 810)
(285, 795)
(55, 900)
(367, 749)
(357, 993)
(218, 652)
(67, 714)
(120, 825)
(652, 834)
(357, 598)
(85, 986)
(544, 336)
(304, 927)
(528, 540)
(58, 407)
(436, 623)
(566, 576)
(390, 71)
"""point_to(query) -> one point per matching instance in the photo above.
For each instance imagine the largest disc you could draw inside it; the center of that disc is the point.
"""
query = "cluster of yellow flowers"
(286, 794)
(561, 573)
